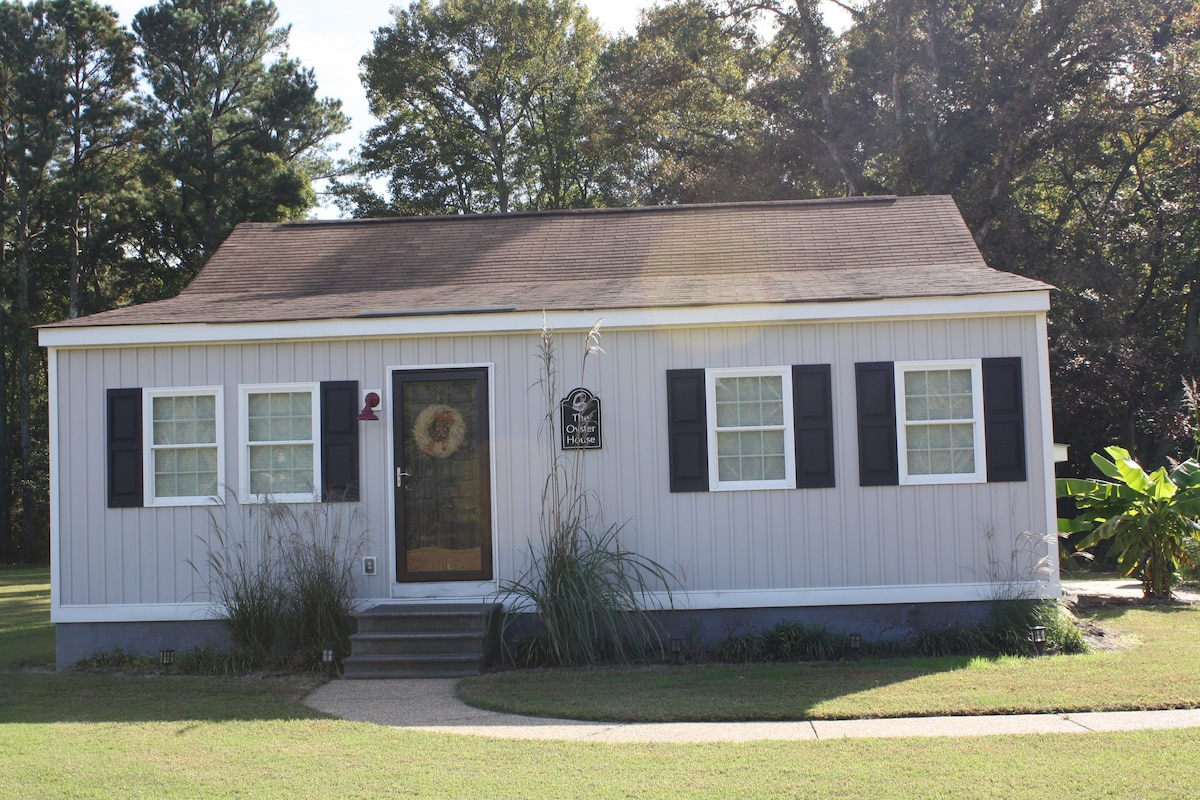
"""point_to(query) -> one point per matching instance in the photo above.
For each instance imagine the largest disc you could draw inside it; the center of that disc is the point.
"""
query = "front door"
(443, 478)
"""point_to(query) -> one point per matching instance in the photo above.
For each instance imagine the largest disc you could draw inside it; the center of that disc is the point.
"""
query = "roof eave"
(1034, 300)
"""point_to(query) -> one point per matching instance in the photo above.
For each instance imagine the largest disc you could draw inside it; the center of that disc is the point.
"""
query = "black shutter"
(1003, 419)
(876, 388)
(687, 429)
(812, 404)
(124, 414)
(339, 441)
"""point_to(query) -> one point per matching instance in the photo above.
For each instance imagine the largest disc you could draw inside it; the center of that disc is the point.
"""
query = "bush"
(1008, 632)
(283, 580)
(586, 590)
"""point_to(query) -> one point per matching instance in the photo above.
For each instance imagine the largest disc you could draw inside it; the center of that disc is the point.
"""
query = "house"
(829, 408)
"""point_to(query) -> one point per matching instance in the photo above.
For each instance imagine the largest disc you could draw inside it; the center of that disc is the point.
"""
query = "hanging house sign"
(580, 418)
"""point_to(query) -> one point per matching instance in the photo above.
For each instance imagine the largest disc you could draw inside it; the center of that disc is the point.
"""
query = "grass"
(25, 629)
(104, 734)
(1159, 669)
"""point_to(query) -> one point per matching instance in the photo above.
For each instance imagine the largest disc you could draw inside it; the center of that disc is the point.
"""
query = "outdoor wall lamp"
(1038, 637)
(370, 403)
(855, 643)
(327, 660)
(165, 659)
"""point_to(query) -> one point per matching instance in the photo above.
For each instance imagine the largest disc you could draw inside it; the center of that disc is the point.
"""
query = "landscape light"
(327, 660)
(1038, 636)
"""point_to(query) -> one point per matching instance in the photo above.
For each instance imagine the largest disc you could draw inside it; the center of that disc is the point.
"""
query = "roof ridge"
(614, 211)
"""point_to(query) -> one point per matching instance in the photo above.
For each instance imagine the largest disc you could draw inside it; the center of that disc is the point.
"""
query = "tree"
(99, 208)
(231, 138)
(486, 105)
(32, 93)
(98, 127)
(1147, 516)
(681, 104)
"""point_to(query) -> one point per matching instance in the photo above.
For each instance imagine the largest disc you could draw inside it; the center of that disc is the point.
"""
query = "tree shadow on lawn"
(44, 697)
(776, 691)
(790, 690)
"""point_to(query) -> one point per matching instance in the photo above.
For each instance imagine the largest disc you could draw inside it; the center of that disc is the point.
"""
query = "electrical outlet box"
(368, 565)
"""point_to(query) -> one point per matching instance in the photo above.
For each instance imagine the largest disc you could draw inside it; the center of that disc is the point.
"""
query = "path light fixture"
(676, 650)
(327, 660)
(855, 644)
(166, 658)
(1038, 637)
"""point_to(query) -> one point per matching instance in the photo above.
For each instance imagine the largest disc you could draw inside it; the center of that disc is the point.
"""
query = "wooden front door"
(443, 475)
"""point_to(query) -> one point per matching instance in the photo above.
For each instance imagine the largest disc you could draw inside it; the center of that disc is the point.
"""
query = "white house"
(832, 408)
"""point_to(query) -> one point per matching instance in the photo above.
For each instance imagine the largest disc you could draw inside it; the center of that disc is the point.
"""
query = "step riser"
(423, 623)
(400, 644)
(421, 641)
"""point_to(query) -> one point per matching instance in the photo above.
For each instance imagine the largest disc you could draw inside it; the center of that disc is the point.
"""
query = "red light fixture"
(371, 402)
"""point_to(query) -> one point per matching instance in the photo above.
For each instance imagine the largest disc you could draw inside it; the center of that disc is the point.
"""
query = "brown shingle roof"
(778, 252)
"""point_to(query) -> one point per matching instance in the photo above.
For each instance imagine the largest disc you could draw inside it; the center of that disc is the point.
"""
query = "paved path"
(432, 705)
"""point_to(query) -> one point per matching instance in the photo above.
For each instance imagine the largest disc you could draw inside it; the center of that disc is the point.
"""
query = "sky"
(331, 36)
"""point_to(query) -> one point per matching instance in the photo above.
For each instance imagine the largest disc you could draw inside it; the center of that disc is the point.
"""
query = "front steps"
(431, 640)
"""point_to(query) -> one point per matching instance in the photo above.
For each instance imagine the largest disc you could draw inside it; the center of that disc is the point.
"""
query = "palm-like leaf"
(1145, 516)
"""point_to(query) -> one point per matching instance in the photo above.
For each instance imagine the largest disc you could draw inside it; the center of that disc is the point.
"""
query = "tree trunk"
(6, 493)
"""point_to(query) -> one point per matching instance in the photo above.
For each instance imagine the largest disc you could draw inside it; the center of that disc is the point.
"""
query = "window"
(752, 428)
(940, 408)
(184, 431)
(279, 441)
(751, 439)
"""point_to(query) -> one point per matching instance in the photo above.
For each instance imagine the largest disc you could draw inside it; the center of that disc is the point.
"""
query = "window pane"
(280, 417)
(938, 395)
(281, 469)
(751, 456)
(184, 420)
(940, 449)
(185, 472)
(752, 401)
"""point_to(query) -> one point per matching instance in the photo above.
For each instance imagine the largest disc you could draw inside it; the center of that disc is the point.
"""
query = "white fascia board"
(55, 480)
(133, 612)
(853, 595)
(679, 601)
(527, 321)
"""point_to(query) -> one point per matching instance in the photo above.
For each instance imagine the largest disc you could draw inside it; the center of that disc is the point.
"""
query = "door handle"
(400, 476)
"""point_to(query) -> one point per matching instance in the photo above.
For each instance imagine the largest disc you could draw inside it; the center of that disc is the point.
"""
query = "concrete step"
(396, 640)
(358, 667)
(424, 643)
(395, 617)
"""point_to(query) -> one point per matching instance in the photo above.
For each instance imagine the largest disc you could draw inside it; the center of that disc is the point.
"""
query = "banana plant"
(1147, 516)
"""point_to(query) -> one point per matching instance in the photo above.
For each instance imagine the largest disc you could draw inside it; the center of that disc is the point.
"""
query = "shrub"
(587, 591)
(282, 580)
(1145, 517)
(1008, 632)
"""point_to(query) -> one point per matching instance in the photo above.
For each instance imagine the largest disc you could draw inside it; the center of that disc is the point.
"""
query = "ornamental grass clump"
(282, 580)
(588, 594)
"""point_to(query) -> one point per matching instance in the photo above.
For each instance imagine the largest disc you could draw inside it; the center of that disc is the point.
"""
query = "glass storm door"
(442, 480)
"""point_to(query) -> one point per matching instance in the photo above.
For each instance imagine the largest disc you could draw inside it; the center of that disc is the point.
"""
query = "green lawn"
(106, 735)
(26, 635)
(1157, 665)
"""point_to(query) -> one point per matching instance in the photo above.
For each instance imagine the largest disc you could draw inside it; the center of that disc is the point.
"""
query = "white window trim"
(715, 483)
(980, 473)
(244, 391)
(150, 500)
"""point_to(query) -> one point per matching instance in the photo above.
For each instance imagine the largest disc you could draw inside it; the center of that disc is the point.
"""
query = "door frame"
(444, 589)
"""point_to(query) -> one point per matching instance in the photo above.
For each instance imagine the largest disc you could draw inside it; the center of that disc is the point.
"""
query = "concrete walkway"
(432, 705)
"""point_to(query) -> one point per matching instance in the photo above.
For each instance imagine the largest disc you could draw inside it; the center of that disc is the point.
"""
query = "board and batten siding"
(721, 545)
